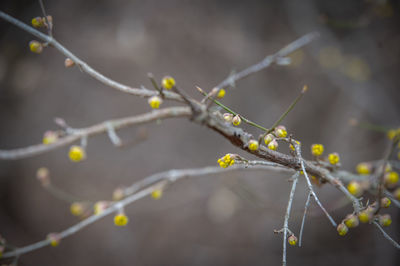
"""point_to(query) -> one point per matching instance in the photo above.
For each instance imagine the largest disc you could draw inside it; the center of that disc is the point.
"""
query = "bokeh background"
(352, 71)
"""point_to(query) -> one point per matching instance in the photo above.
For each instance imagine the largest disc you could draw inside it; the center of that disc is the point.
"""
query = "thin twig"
(295, 178)
(304, 218)
(95, 130)
(310, 187)
(306, 39)
(83, 65)
(137, 191)
(391, 240)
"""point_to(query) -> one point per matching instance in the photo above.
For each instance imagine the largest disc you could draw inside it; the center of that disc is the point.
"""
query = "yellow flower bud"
(280, 132)
(365, 216)
(121, 219)
(391, 178)
(391, 134)
(99, 207)
(253, 145)
(268, 138)
(155, 102)
(76, 208)
(342, 229)
(43, 175)
(363, 168)
(292, 240)
(334, 158)
(68, 62)
(35, 47)
(54, 239)
(385, 202)
(156, 194)
(50, 137)
(221, 94)
(351, 221)
(37, 22)
(236, 120)
(273, 145)
(396, 193)
(385, 220)
(292, 147)
(355, 188)
(76, 153)
(317, 149)
(168, 82)
(228, 117)
(118, 194)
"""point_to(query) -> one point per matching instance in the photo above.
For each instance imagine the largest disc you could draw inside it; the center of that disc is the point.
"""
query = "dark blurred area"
(352, 71)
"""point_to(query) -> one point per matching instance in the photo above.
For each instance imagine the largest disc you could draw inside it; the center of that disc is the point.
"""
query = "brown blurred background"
(352, 71)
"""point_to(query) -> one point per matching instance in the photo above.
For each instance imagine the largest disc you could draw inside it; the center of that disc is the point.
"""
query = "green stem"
(233, 112)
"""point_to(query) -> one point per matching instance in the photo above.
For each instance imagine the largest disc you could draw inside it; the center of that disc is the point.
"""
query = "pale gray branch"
(94, 130)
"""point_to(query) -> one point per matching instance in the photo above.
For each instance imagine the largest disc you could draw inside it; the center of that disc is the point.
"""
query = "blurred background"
(352, 71)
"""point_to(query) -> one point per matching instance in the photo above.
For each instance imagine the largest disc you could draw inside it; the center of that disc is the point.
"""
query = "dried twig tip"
(305, 89)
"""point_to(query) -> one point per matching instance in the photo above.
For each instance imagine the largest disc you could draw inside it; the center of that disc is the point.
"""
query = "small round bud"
(365, 216)
(236, 120)
(76, 153)
(155, 102)
(35, 47)
(156, 194)
(268, 138)
(292, 147)
(118, 194)
(317, 149)
(38, 22)
(273, 145)
(121, 219)
(50, 137)
(43, 175)
(253, 145)
(396, 193)
(168, 82)
(391, 134)
(280, 132)
(363, 168)
(385, 220)
(355, 188)
(391, 178)
(385, 202)
(221, 93)
(77, 208)
(334, 158)
(99, 207)
(342, 229)
(292, 240)
(69, 63)
(54, 239)
(351, 221)
(228, 117)
(388, 167)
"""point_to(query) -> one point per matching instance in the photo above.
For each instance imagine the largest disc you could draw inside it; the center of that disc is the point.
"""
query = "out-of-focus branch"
(94, 130)
(137, 191)
(266, 62)
(391, 240)
(142, 92)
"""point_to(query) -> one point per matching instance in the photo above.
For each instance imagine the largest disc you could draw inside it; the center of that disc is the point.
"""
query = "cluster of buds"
(40, 22)
(227, 160)
(270, 139)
